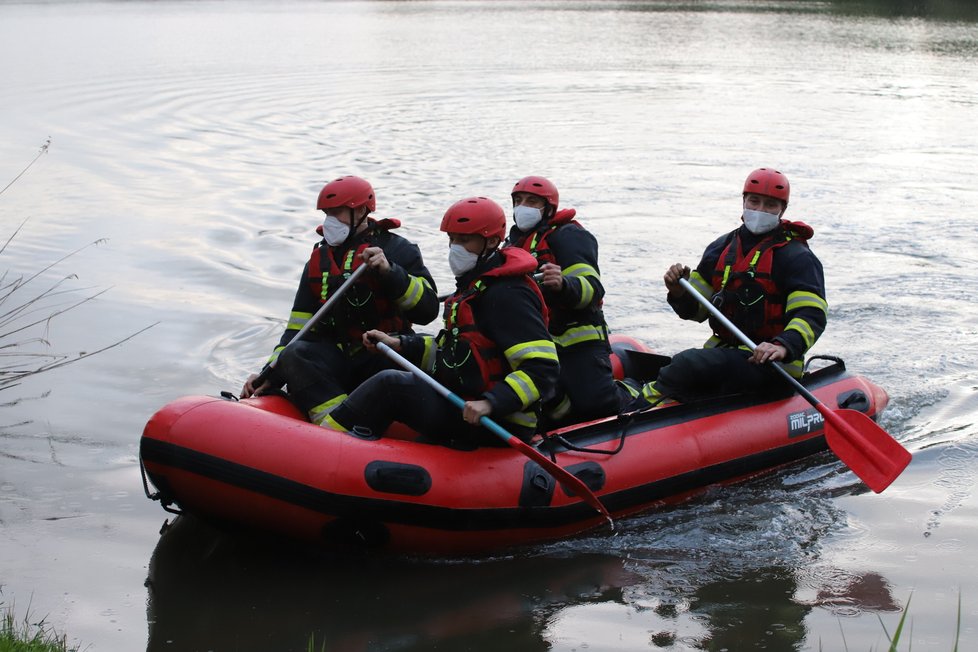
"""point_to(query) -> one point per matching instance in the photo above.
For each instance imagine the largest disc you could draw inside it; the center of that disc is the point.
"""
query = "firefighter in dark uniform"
(395, 293)
(494, 350)
(765, 279)
(567, 256)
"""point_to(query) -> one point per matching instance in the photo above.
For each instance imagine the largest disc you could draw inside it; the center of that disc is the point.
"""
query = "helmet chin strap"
(355, 228)
(484, 254)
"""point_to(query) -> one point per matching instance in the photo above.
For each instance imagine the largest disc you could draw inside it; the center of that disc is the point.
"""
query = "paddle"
(561, 474)
(868, 450)
(337, 293)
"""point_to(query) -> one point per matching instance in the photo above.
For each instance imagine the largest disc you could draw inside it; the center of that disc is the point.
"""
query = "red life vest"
(563, 318)
(468, 362)
(364, 306)
(536, 243)
(744, 289)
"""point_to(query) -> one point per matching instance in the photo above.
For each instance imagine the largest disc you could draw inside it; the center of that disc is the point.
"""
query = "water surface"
(194, 137)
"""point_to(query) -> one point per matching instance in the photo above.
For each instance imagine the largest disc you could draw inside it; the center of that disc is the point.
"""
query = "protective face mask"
(334, 231)
(526, 217)
(461, 259)
(759, 222)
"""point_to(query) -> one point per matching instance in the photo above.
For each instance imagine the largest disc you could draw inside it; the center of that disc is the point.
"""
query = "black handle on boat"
(315, 319)
(871, 452)
(560, 474)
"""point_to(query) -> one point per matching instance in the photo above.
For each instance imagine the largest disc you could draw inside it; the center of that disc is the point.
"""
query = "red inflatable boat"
(260, 463)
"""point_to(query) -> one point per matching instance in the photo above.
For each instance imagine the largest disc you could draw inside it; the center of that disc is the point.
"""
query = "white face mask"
(759, 222)
(334, 231)
(526, 217)
(460, 259)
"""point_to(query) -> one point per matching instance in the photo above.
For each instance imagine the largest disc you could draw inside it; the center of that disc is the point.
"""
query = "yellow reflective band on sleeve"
(319, 413)
(796, 368)
(561, 410)
(701, 284)
(413, 294)
(578, 334)
(704, 288)
(297, 320)
(272, 358)
(803, 328)
(524, 419)
(581, 271)
(430, 354)
(713, 342)
(587, 294)
(521, 383)
(802, 299)
(517, 354)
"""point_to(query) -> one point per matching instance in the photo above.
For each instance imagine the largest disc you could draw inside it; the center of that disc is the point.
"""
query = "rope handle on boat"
(155, 495)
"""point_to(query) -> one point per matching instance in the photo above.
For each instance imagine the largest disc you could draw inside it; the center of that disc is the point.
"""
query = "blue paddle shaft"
(561, 474)
(455, 399)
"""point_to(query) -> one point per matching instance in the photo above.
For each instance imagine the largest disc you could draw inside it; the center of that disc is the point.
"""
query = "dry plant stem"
(42, 152)
(65, 359)
(19, 364)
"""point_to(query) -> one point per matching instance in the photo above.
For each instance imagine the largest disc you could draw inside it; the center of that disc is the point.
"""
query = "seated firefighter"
(494, 350)
(767, 281)
(395, 292)
(567, 258)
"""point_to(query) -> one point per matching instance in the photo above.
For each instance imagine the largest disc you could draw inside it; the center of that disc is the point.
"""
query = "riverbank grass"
(25, 636)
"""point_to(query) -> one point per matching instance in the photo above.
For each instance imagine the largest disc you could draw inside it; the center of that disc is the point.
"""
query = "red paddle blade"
(872, 454)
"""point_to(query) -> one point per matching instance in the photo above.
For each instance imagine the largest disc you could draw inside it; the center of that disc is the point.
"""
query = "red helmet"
(538, 186)
(475, 215)
(765, 181)
(350, 191)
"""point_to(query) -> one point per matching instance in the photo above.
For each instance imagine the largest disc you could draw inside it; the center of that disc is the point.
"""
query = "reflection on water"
(214, 590)
(208, 590)
(933, 9)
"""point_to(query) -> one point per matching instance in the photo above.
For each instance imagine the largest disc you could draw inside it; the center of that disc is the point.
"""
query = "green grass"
(894, 641)
(27, 636)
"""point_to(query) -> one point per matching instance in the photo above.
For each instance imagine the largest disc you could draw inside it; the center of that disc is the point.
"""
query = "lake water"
(190, 140)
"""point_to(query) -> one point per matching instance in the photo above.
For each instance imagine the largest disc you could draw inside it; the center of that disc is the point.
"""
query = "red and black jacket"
(494, 344)
(562, 240)
(764, 283)
(393, 302)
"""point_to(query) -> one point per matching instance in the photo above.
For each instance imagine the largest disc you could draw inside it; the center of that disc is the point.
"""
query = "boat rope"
(830, 358)
(624, 420)
(155, 495)
(142, 471)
